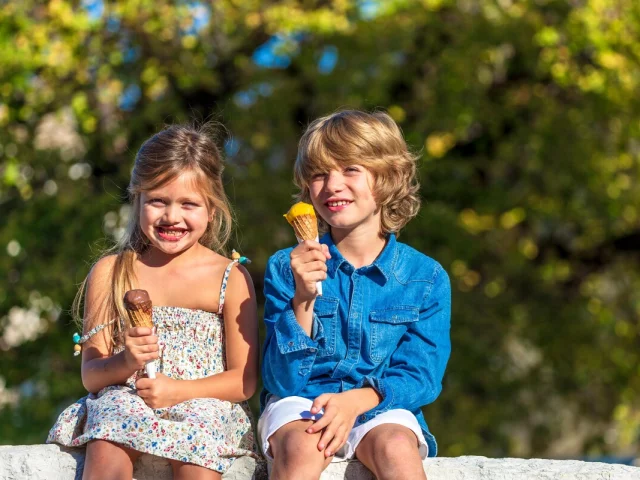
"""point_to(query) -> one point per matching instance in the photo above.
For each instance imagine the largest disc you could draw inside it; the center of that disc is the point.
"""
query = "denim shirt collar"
(384, 263)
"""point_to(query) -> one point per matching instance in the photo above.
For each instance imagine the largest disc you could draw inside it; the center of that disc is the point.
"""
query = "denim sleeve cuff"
(385, 391)
(291, 337)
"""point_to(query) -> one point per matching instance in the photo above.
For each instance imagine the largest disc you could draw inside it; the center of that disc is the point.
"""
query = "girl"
(205, 337)
(345, 373)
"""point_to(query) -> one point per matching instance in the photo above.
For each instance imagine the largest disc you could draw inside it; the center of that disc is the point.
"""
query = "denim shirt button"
(291, 344)
(312, 350)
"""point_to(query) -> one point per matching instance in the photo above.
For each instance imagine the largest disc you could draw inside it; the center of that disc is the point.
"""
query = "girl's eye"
(156, 201)
(191, 204)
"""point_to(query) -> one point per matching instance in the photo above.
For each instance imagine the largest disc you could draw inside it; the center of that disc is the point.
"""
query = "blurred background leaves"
(526, 116)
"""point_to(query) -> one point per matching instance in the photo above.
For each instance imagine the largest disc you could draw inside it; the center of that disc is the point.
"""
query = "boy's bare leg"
(106, 460)
(184, 471)
(295, 453)
(391, 452)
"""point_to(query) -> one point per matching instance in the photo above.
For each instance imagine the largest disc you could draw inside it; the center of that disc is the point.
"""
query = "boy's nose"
(334, 181)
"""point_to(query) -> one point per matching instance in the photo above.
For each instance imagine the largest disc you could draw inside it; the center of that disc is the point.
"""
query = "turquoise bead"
(76, 338)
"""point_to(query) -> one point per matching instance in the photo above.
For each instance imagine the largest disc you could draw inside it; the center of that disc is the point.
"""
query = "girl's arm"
(239, 381)
(99, 368)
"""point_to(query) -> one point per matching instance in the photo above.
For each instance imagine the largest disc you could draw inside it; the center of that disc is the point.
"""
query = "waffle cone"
(140, 315)
(305, 227)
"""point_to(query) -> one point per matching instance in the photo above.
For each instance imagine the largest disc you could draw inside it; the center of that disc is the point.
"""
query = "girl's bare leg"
(189, 471)
(108, 461)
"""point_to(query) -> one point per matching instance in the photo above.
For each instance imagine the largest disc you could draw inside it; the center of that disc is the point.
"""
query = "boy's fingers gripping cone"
(305, 227)
(302, 217)
(140, 311)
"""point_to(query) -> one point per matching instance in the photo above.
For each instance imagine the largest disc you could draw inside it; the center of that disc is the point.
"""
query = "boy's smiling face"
(343, 197)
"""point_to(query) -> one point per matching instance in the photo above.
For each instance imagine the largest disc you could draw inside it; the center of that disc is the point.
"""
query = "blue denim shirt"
(385, 325)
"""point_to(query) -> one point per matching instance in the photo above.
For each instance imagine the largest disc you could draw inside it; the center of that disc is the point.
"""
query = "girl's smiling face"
(343, 197)
(174, 216)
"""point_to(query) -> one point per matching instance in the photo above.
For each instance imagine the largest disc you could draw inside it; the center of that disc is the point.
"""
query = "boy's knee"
(399, 447)
(295, 446)
(393, 445)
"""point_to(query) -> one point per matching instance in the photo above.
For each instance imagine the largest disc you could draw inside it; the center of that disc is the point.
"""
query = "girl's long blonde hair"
(176, 150)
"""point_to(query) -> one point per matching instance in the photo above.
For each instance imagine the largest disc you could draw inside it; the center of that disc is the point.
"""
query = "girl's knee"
(183, 471)
(105, 449)
(106, 460)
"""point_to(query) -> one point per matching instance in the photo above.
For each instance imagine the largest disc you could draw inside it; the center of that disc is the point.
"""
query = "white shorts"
(280, 411)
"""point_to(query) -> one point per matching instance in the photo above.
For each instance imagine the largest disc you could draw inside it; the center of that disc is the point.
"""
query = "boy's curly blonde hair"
(372, 140)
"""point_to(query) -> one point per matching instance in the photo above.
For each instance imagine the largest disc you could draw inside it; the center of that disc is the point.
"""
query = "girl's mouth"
(171, 234)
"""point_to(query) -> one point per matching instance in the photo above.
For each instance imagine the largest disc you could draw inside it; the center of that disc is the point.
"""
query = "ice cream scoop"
(139, 308)
(302, 217)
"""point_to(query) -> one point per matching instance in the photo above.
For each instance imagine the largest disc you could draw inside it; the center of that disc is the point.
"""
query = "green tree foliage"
(525, 113)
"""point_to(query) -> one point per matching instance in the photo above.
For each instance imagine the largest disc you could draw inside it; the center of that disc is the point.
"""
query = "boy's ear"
(212, 213)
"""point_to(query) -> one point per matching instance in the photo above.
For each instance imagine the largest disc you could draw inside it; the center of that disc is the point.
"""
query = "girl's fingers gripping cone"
(140, 310)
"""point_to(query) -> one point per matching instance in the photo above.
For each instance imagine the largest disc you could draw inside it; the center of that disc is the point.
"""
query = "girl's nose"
(171, 214)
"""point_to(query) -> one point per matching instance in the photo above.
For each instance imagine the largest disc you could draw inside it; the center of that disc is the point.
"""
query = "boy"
(345, 373)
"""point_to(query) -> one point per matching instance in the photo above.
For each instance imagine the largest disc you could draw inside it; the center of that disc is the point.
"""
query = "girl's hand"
(309, 265)
(340, 413)
(140, 347)
(158, 392)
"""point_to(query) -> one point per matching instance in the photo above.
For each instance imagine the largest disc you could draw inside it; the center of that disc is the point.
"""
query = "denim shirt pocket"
(387, 328)
(326, 309)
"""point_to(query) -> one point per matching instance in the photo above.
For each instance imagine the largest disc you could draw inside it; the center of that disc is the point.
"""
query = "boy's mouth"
(337, 205)
(171, 234)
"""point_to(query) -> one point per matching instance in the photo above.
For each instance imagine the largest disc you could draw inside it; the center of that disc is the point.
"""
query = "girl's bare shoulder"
(103, 268)
(212, 261)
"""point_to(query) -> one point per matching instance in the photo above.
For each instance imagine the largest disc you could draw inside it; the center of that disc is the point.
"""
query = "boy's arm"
(289, 352)
(414, 375)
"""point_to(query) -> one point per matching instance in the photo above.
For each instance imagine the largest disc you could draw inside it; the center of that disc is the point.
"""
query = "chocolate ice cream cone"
(140, 310)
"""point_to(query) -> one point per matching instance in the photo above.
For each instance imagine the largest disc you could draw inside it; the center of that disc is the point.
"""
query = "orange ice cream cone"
(302, 217)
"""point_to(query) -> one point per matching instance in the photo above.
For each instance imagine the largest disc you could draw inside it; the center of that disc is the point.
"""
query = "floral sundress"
(204, 431)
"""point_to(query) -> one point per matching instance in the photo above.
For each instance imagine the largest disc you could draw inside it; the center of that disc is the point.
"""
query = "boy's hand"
(158, 392)
(309, 265)
(340, 413)
(140, 347)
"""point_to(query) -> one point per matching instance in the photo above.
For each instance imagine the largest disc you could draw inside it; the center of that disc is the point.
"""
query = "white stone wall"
(50, 462)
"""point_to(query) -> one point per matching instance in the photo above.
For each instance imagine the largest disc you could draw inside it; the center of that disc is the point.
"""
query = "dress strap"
(95, 330)
(223, 288)
(79, 340)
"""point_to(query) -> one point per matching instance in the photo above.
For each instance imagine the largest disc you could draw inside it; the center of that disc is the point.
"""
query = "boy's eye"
(318, 175)
(352, 169)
